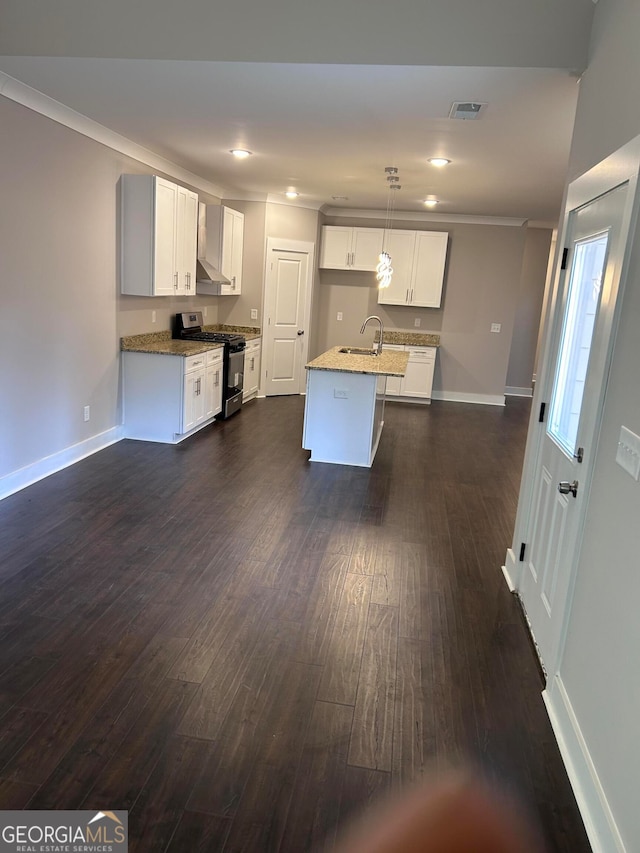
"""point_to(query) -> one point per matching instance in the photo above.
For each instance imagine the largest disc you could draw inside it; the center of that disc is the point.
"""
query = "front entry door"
(576, 378)
(286, 316)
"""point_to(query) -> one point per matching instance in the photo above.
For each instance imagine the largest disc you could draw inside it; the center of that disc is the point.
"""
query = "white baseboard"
(599, 822)
(17, 480)
(464, 397)
(515, 391)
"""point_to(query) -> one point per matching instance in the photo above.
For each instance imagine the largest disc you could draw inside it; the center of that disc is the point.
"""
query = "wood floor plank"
(340, 677)
(198, 833)
(315, 806)
(124, 776)
(101, 738)
(158, 810)
(372, 734)
(15, 795)
(362, 790)
(322, 609)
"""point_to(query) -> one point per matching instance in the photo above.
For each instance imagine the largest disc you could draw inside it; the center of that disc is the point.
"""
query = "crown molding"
(40, 103)
(418, 216)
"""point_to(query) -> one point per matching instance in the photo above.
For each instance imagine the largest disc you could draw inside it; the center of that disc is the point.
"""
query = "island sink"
(358, 351)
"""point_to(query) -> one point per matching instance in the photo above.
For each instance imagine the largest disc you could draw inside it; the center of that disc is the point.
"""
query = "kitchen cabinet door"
(193, 411)
(428, 268)
(186, 240)
(251, 370)
(213, 384)
(336, 247)
(418, 380)
(400, 245)
(366, 245)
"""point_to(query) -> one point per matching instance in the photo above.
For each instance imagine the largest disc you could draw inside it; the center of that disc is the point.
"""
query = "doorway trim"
(621, 167)
(275, 244)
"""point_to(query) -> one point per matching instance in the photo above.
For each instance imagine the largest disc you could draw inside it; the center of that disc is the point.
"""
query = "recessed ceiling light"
(431, 202)
(240, 153)
(439, 161)
(292, 194)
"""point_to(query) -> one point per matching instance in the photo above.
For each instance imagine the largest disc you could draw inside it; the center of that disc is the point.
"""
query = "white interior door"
(575, 378)
(287, 302)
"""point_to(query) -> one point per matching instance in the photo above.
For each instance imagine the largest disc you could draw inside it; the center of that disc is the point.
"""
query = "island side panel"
(378, 416)
(339, 416)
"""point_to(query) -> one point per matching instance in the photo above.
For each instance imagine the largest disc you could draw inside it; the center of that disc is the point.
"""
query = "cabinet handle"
(253, 363)
(233, 282)
(406, 299)
(411, 300)
(175, 282)
(188, 280)
(217, 378)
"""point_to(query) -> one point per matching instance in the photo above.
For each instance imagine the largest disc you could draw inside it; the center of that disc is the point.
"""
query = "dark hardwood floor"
(244, 649)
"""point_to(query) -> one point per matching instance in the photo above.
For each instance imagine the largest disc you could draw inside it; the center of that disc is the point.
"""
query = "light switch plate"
(496, 327)
(339, 317)
(628, 452)
(417, 322)
(254, 313)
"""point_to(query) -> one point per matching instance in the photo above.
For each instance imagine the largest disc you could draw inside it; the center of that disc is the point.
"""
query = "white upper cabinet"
(186, 240)
(158, 237)
(345, 248)
(224, 248)
(418, 262)
(428, 268)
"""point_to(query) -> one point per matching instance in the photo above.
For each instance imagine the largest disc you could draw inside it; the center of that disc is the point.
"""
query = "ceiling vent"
(466, 109)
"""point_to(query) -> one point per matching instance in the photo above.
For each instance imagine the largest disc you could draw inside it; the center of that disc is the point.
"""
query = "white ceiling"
(329, 128)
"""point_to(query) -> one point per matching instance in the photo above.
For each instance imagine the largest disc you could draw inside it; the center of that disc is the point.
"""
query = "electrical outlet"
(340, 393)
(87, 412)
(496, 327)
(254, 313)
(339, 317)
(153, 316)
(417, 322)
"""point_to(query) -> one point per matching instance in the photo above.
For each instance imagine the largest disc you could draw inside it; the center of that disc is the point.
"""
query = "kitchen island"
(344, 406)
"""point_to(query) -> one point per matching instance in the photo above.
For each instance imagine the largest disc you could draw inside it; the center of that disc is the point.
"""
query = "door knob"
(300, 331)
(564, 487)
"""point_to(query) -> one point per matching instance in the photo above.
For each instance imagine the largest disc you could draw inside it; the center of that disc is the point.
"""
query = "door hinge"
(543, 407)
(522, 547)
(565, 254)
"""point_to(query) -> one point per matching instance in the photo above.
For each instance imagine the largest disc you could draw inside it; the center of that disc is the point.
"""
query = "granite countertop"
(389, 363)
(415, 339)
(161, 343)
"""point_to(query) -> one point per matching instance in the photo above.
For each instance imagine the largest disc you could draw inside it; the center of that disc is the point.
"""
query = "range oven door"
(234, 380)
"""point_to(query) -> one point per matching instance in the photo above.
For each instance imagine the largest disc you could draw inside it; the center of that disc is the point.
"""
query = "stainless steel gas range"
(188, 327)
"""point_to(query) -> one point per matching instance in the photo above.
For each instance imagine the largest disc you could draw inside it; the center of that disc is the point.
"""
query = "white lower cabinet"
(251, 381)
(213, 383)
(417, 383)
(167, 397)
(193, 406)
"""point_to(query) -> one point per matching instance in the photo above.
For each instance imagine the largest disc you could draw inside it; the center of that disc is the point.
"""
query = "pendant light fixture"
(384, 270)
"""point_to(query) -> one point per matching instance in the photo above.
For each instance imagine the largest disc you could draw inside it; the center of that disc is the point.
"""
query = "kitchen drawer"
(421, 353)
(214, 356)
(194, 362)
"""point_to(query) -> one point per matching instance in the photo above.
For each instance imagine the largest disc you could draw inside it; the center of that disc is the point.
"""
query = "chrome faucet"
(374, 317)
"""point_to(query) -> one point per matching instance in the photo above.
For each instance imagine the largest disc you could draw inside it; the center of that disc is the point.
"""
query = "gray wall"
(528, 308)
(600, 664)
(482, 281)
(59, 288)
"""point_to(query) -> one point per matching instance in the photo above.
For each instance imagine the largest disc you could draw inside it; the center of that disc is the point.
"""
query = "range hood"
(206, 272)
